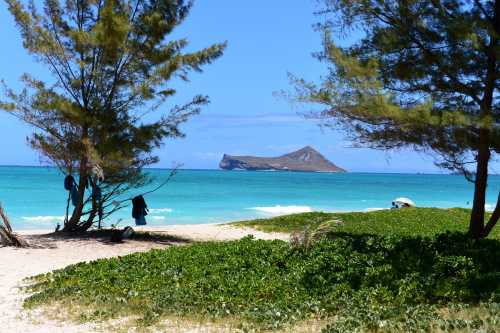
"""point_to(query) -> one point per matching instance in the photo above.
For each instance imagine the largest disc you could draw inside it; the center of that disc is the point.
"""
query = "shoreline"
(200, 197)
(159, 228)
(263, 215)
(195, 232)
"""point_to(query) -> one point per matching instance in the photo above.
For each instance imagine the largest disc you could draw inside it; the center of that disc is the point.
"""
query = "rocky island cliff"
(305, 159)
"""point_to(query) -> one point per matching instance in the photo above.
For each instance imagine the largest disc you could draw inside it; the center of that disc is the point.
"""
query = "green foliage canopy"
(112, 61)
(422, 74)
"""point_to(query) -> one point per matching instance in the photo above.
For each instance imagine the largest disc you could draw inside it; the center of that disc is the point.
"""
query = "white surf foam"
(283, 210)
(158, 218)
(161, 210)
(374, 209)
(42, 218)
(489, 207)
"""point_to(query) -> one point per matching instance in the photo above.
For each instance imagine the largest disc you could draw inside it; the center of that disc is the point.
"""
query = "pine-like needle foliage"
(112, 61)
(423, 74)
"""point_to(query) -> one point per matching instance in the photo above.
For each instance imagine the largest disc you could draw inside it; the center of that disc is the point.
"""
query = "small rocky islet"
(306, 159)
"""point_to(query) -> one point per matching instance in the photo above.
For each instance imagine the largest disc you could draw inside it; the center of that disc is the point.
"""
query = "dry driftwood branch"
(7, 236)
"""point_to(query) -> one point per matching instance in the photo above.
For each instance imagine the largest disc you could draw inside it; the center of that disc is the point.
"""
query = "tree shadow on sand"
(104, 236)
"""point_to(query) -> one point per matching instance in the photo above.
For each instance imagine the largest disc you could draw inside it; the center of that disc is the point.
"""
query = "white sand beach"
(54, 253)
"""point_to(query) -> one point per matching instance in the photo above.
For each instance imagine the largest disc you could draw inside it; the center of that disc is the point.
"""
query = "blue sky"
(267, 39)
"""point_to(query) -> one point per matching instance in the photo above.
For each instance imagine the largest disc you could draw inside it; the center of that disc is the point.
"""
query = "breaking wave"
(158, 218)
(283, 210)
(161, 210)
(43, 218)
(374, 209)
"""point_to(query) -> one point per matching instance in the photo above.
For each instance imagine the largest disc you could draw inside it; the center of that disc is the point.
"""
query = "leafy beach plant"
(358, 281)
(112, 62)
(397, 222)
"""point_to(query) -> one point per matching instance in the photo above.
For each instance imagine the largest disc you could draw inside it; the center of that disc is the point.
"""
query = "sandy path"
(214, 232)
(17, 264)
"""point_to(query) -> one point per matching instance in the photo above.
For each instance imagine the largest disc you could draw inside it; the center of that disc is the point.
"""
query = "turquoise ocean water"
(34, 197)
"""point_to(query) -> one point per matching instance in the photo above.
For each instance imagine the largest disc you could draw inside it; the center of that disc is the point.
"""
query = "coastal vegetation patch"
(403, 222)
(356, 280)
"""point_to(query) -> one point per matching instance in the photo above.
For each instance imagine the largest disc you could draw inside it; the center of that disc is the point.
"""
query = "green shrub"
(399, 222)
(368, 282)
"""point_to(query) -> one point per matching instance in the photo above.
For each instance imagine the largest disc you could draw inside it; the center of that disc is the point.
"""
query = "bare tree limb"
(7, 236)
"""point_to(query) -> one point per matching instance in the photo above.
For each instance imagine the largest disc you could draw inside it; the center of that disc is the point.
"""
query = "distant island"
(305, 159)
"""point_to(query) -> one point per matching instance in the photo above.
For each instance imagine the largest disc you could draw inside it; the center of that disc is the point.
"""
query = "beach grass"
(433, 278)
(403, 222)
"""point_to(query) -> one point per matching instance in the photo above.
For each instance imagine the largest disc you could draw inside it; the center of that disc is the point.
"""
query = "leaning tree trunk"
(7, 236)
(74, 221)
(476, 225)
(495, 216)
(90, 220)
(477, 228)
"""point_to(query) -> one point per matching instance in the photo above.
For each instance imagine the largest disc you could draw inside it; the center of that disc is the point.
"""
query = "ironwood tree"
(112, 62)
(422, 74)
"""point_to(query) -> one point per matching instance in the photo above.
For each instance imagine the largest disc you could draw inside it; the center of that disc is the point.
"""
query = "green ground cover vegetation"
(390, 271)
(403, 222)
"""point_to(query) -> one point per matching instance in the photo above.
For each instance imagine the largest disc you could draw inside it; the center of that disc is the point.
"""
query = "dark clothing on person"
(141, 220)
(97, 196)
(139, 210)
(139, 207)
(69, 182)
(70, 185)
(97, 193)
(74, 195)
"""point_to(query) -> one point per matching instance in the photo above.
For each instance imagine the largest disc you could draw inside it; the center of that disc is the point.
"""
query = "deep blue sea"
(34, 197)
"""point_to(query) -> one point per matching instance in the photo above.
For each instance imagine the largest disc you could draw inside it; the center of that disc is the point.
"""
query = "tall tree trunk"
(476, 225)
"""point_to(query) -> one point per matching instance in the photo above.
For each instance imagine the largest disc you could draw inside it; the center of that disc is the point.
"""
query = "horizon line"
(218, 169)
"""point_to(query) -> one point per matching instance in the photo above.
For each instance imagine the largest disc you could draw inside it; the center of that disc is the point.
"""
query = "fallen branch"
(7, 236)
